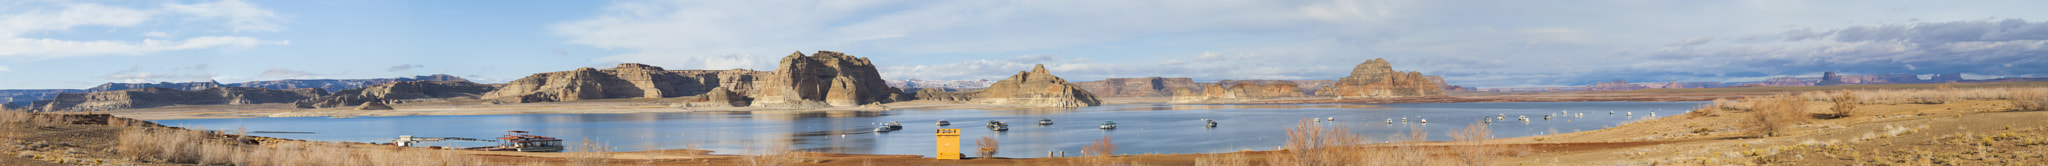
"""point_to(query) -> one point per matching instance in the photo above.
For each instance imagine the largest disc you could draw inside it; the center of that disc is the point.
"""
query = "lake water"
(1142, 128)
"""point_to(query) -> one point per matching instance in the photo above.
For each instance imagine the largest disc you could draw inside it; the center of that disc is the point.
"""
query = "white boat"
(1045, 122)
(945, 123)
(1108, 125)
(998, 126)
(1211, 123)
(893, 125)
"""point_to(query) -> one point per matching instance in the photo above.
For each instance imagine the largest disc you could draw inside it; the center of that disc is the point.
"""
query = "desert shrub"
(2030, 99)
(1472, 147)
(590, 153)
(1101, 152)
(1773, 115)
(988, 147)
(1845, 104)
(1309, 143)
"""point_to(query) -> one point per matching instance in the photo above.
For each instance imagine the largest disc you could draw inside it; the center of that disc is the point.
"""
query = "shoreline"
(632, 106)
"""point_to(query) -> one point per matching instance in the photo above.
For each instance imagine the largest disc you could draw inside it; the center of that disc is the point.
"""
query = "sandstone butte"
(389, 92)
(158, 97)
(1377, 79)
(824, 79)
(1243, 91)
(1035, 88)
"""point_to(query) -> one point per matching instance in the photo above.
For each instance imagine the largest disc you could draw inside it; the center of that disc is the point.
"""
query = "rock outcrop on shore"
(158, 97)
(823, 79)
(373, 106)
(1137, 87)
(1377, 79)
(1036, 88)
(1243, 91)
(396, 91)
(629, 80)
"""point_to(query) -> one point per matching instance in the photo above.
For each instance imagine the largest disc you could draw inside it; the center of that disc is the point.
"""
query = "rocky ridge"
(158, 97)
(389, 92)
(190, 86)
(1137, 87)
(629, 80)
(1243, 91)
(1377, 79)
(336, 85)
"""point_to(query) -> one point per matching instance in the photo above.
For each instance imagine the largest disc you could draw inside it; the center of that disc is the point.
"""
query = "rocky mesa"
(1377, 79)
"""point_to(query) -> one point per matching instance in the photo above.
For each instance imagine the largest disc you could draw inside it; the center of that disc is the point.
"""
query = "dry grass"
(1225, 159)
(172, 145)
(988, 147)
(1773, 115)
(590, 153)
(773, 155)
(2034, 99)
(1845, 104)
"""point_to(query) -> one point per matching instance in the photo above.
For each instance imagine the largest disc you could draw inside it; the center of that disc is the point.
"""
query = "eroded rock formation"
(396, 91)
(158, 97)
(1036, 88)
(823, 79)
(1377, 79)
(1137, 87)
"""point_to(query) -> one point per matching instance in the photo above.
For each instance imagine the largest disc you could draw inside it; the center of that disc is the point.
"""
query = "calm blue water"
(1142, 128)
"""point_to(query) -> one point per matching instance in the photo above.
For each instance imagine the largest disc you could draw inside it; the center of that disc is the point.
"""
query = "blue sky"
(78, 44)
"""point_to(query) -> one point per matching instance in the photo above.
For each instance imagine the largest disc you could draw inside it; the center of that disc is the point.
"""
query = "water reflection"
(1145, 128)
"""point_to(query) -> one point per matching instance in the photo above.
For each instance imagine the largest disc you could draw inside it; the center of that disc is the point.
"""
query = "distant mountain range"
(22, 97)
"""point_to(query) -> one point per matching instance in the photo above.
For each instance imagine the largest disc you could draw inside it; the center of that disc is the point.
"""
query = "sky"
(75, 44)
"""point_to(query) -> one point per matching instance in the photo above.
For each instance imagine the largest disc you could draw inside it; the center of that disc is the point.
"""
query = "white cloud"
(18, 30)
(240, 16)
(52, 48)
(4, 68)
(283, 73)
(137, 74)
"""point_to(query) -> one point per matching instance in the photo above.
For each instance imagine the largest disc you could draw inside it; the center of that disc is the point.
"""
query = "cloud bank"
(26, 32)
